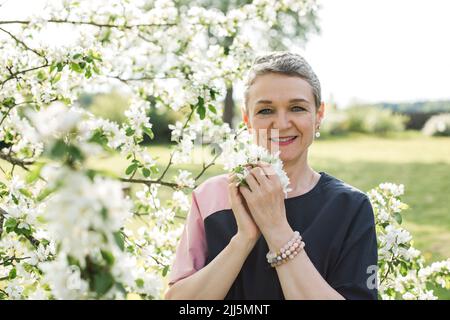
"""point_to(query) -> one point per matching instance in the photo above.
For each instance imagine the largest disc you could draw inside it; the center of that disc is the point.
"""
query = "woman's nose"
(282, 121)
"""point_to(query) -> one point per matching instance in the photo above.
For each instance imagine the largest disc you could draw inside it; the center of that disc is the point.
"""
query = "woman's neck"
(301, 176)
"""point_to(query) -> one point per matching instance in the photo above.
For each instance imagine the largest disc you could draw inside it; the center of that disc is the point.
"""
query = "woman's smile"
(283, 141)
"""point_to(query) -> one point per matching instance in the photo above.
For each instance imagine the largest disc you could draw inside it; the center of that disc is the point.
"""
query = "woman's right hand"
(247, 228)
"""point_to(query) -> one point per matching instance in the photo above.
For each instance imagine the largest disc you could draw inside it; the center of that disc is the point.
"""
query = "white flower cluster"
(239, 151)
(137, 116)
(85, 218)
(55, 121)
(401, 271)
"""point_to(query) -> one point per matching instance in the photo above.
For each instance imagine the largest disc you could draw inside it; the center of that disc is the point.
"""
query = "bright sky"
(383, 50)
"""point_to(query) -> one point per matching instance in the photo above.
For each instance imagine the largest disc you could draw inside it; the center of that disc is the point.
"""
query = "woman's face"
(282, 114)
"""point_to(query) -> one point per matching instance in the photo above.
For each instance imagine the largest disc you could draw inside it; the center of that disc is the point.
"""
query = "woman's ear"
(320, 113)
(245, 117)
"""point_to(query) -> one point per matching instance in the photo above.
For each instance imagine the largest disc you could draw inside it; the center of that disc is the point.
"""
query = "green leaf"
(58, 150)
(104, 213)
(33, 175)
(212, 109)
(96, 56)
(75, 153)
(12, 274)
(56, 78)
(77, 56)
(76, 67)
(52, 67)
(154, 169)
(148, 131)
(108, 257)
(9, 102)
(72, 261)
(403, 268)
(139, 283)
(96, 69)
(146, 172)
(212, 93)
(398, 217)
(118, 237)
(165, 270)
(131, 168)
(200, 102)
(99, 137)
(10, 224)
(59, 66)
(201, 112)
(103, 282)
(121, 288)
(88, 73)
(129, 132)
(4, 190)
(41, 75)
(26, 193)
(44, 194)
(25, 232)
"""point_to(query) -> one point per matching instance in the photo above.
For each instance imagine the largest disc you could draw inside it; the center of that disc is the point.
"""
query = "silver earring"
(317, 134)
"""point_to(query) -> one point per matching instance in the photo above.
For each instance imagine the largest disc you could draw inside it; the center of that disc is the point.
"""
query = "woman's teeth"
(283, 139)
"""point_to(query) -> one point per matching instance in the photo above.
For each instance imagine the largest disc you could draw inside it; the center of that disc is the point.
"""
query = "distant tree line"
(418, 112)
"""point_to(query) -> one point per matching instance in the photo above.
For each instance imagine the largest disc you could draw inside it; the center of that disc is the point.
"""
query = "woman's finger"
(268, 169)
(260, 176)
(245, 192)
(252, 182)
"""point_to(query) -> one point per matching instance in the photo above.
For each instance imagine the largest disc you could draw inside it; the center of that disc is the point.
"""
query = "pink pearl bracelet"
(287, 252)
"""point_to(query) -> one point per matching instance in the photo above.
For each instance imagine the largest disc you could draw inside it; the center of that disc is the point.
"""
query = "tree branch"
(206, 167)
(92, 23)
(25, 45)
(15, 74)
(35, 242)
(150, 182)
(14, 161)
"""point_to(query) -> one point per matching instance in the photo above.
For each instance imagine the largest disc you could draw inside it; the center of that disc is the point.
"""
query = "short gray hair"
(283, 62)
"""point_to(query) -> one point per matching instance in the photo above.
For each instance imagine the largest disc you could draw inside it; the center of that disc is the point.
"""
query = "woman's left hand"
(265, 200)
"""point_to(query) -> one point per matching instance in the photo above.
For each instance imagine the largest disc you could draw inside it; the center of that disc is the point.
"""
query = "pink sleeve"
(191, 251)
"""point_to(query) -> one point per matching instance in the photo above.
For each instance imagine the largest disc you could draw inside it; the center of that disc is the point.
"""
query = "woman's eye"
(265, 111)
(298, 108)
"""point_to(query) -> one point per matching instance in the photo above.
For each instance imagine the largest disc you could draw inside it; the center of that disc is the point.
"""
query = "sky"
(383, 50)
(368, 50)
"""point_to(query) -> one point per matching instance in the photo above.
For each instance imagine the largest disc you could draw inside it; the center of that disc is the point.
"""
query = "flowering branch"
(150, 182)
(13, 75)
(90, 23)
(25, 45)
(17, 162)
(29, 237)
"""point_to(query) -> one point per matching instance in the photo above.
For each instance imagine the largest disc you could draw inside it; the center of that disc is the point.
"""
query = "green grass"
(421, 164)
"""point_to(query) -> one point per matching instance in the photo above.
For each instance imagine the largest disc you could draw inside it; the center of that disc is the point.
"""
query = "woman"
(230, 230)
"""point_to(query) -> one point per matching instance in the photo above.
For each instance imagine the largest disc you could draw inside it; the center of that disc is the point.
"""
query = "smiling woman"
(250, 242)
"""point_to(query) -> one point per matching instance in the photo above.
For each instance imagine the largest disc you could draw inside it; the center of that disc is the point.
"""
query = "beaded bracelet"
(287, 252)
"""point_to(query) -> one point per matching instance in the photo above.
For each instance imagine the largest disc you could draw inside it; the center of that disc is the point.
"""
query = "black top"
(336, 222)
